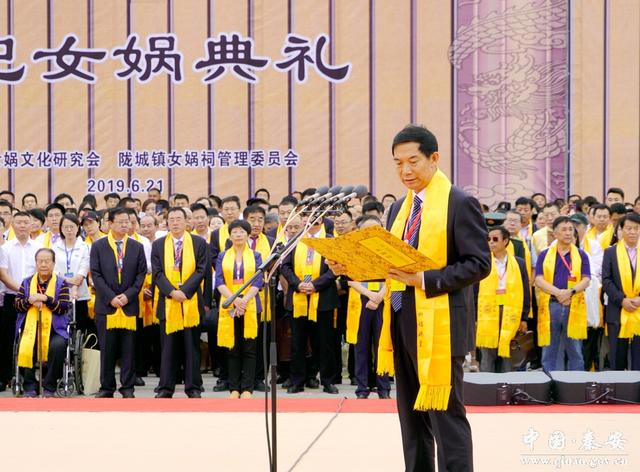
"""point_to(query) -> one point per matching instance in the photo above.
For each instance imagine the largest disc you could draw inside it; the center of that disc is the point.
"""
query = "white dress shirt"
(19, 260)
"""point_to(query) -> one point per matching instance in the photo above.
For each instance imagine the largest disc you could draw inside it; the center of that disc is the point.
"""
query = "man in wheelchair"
(42, 304)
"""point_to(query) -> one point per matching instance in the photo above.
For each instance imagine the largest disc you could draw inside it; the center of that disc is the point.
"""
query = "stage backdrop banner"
(227, 96)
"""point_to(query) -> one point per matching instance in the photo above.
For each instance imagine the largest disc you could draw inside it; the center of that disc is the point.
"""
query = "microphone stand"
(269, 267)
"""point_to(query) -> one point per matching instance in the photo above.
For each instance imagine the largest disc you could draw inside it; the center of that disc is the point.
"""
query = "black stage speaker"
(511, 388)
(596, 387)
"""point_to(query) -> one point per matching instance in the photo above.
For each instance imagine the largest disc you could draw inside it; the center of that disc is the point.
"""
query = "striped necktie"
(413, 228)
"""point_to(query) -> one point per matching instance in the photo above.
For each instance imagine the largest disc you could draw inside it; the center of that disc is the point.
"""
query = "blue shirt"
(561, 274)
(239, 271)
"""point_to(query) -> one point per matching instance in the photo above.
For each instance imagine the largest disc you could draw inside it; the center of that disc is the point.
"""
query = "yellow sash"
(489, 333)
(147, 313)
(577, 325)
(145, 307)
(186, 314)
(226, 333)
(432, 314)
(46, 242)
(11, 234)
(304, 305)
(280, 236)
(119, 320)
(354, 310)
(263, 247)
(91, 303)
(89, 240)
(605, 237)
(629, 321)
(28, 340)
(223, 235)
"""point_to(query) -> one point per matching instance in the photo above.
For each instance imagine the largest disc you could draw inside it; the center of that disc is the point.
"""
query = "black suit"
(104, 272)
(170, 343)
(612, 286)
(322, 333)
(468, 262)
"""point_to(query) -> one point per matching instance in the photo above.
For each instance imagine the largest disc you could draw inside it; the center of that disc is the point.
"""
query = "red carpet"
(285, 405)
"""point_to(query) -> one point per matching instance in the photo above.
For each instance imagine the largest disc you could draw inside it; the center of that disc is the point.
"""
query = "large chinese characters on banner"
(115, 96)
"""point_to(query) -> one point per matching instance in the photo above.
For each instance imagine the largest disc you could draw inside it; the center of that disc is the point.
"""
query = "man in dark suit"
(614, 282)
(177, 288)
(322, 333)
(118, 268)
(468, 260)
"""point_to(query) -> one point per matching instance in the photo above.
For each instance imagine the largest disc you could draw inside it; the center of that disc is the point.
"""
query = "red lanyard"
(414, 226)
(568, 266)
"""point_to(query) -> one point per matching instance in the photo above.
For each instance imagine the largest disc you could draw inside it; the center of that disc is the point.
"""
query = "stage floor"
(316, 432)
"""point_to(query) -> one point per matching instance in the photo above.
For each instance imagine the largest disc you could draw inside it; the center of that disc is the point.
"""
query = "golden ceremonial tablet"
(368, 254)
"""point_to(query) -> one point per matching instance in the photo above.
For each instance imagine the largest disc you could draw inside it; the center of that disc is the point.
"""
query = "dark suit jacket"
(612, 285)
(518, 248)
(190, 286)
(526, 302)
(214, 247)
(468, 262)
(105, 276)
(325, 284)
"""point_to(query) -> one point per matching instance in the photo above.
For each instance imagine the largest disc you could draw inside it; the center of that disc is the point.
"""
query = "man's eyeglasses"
(495, 239)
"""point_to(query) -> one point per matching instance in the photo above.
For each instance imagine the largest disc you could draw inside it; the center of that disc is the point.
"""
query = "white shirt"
(501, 268)
(146, 245)
(596, 253)
(78, 258)
(19, 260)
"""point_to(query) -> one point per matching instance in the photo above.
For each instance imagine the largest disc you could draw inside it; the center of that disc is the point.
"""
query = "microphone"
(319, 192)
(359, 192)
(328, 196)
(344, 191)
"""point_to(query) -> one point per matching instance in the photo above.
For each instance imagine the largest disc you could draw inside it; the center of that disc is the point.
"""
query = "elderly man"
(42, 304)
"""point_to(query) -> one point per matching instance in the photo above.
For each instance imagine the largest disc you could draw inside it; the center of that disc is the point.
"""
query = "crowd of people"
(144, 276)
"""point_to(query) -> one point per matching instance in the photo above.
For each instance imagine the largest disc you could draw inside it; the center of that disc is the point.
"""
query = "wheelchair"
(71, 381)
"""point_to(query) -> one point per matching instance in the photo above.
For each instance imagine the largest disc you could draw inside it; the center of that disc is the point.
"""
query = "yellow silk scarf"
(605, 237)
(28, 340)
(629, 321)
(119, 320)
(226, 330)
(223, 235)
(263, 247)
(145, 307)
(89, 240)
(489, 333)
(186, 314)
(46, 242)
(354, 310)
(577, 324)
(432, 314)
(304, 305)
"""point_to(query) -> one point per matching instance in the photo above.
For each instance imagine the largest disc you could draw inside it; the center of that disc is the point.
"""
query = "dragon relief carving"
(529, 95)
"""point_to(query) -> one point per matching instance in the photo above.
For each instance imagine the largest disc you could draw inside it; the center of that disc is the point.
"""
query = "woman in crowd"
(72, 265)
(238, 325)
